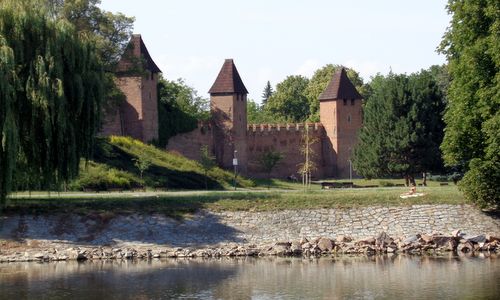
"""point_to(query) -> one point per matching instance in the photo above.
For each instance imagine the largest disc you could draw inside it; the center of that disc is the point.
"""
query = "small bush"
(386, 183)
(101, 177)
(481, 184)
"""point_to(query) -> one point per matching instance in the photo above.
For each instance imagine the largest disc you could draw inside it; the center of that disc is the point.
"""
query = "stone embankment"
(416, 244)
(406, 229)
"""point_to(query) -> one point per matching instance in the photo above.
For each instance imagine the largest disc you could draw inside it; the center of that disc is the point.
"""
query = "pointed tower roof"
(340, 87)
(135, 51)
(228, 80)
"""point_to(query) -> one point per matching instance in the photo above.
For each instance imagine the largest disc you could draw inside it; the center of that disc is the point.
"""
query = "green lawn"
(177, 204)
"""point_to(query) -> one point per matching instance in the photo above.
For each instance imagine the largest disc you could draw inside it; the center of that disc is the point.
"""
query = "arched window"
(349, 118)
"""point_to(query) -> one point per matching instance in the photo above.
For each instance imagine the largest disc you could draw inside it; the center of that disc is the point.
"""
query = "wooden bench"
(336, 185)
(443, 183)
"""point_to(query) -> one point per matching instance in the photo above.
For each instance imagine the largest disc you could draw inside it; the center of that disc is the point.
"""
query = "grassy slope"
(168, 171)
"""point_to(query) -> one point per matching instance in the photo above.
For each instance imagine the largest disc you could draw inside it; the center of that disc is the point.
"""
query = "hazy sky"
(272, 39)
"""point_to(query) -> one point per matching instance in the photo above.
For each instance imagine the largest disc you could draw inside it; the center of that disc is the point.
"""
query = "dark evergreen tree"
(268, 92)
(402, 127)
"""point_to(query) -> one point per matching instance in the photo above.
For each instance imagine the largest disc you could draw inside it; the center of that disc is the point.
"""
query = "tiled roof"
(340, 87)
(228, 80)
(136, 50)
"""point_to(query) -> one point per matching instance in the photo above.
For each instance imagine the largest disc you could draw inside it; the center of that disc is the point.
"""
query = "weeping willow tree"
(51, 88)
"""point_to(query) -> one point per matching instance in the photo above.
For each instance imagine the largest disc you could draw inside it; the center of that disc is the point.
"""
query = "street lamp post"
(350, 170)
(235, 165)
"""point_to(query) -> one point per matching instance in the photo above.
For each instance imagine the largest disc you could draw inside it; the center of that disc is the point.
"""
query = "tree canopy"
(472, 135)
(402, 127)
(289, 103)
(51, 90)
(179, 108)
(111, 31)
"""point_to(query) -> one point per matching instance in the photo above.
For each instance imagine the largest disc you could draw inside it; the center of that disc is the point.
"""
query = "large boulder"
(325, 244)
(383, 239)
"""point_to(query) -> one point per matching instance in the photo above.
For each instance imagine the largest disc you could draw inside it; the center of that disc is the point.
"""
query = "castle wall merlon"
(289, 127)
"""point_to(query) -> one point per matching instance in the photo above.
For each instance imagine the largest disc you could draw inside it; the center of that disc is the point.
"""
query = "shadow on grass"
(105, 220)
(155, 176)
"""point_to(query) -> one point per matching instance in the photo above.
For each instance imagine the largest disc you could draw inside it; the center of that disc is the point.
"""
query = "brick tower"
(341, 116)
(137, 78)
(228, 106)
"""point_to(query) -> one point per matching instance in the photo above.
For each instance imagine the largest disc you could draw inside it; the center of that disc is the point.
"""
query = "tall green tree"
(179, 109)
(51, 90)
(472, 135)
(111, 31)
(257, 114)
(402, 127)
(268, 92)
(289, 103)
(319, 82)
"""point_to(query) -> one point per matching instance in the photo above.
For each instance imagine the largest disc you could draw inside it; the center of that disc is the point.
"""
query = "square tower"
(137, 78)
(341, 116)
(228, 107)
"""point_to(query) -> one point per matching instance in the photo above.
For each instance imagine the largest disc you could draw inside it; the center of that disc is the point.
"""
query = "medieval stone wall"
(137, 117)
(150, 107)
(189, 144)
(288, 140)
(112, 122)
(132, 108)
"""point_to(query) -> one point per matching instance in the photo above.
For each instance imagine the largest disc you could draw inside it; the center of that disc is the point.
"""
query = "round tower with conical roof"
(228, 106)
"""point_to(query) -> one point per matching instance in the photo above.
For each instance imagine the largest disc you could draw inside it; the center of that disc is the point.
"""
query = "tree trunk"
(424, 179)
(407, 180)
(412, 180)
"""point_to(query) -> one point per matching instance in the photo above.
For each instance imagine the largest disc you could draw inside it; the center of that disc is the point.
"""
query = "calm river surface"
(396, 277)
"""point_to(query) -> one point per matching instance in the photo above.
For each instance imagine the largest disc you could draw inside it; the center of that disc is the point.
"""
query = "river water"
(393, 277)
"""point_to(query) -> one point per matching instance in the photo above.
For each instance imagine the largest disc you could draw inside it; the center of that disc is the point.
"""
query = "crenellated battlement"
(280, 128)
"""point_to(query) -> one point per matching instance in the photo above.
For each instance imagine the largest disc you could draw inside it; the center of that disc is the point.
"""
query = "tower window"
(345, 101)
(352, 101)
(348, 118)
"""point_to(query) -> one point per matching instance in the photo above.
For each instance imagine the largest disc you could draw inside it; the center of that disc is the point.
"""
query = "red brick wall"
(112, 122)
(132, 108)
(150, 107)
(349, 121)
(341, 120)
(189, 144)
(286, 139)
(328, 112)
(138, 116)
(230, 123)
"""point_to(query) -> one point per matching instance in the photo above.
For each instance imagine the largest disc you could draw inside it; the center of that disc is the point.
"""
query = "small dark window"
(352, 101)
(345, 101)
(348, 118)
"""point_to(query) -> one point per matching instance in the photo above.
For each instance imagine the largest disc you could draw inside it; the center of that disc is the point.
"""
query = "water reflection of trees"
(390, 276)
